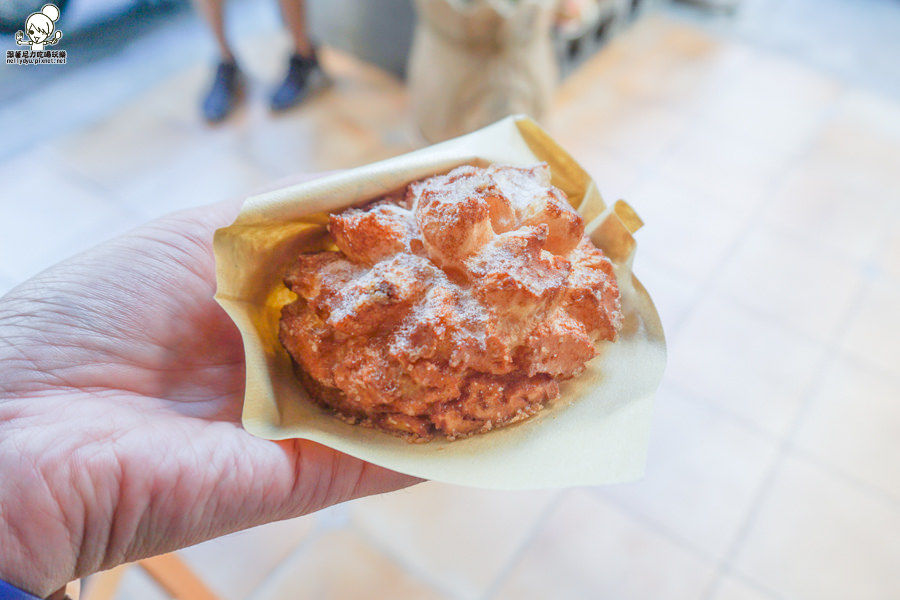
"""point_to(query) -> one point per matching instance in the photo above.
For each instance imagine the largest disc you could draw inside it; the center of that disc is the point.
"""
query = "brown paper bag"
(476, 61)
(597, 432)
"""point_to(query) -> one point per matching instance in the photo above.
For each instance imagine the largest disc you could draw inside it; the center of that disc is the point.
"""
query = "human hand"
(120, 398)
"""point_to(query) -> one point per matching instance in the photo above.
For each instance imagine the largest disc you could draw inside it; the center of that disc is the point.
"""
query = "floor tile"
(360, 117)
(800, 285)
(342, 564)
(816, 536)
(460, 537)
(307, 142)
(234, 565)
(738, 173)
(655, 58)
(615, 176)
(774, 101)
(629, 129)
(578, 102)
(863, 138)
(685, 229)
(887, 257)
(365, 95)
(852, 424)
(212, 173)
(873, 112)
(734, 589)
(850, 40)
(125, 147)
(873, 330)
(828, 204)
(703, 474)
(177, 100)
(744, 362)
(673, 295)
(136, 584)
(676, 66)
(588, 549)
(50, 215)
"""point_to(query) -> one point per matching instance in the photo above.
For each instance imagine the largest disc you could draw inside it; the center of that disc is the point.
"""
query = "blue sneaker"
(224, 93)
(295, 86)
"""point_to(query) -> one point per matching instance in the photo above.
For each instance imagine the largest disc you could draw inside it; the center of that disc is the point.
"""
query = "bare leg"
(303, 61)
(213, 12)
(294, 14)
(224, 94)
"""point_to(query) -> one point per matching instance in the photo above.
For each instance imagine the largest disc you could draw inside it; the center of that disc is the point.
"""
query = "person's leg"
(224, 92)
(294, 14)
(303, 61)
(213, 12)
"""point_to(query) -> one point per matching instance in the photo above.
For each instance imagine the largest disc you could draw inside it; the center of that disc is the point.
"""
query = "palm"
(125, 379)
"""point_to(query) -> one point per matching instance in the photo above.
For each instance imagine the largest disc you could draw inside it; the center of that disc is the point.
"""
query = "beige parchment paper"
(596, 433)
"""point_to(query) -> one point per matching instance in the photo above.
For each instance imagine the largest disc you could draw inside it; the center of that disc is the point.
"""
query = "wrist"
(36, 556)
(19, 581)
(15, 581)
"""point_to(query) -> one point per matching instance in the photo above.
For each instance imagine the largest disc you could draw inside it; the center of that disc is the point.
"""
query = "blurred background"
(758, 139)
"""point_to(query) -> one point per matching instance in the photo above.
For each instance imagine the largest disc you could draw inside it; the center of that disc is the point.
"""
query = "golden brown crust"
(367, 236)
(453, 311)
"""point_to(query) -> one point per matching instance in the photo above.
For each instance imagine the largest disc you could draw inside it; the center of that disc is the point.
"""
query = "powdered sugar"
(455, 309)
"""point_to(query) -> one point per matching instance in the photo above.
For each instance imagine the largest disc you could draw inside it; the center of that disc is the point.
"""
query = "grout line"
(769, 593)
(422, 575)
(408, 568)
(654, 526)
(860, 485)
(864, 365)
(804, 336)
(100, 189)
(659, 527)
(746, 31)
(746, 423)
(754, 428)
(725, 567)
(276, 573)
(786, 447)
(780, 321)
(537, 525)
(754, 218)
(753, 221)
(832, 353)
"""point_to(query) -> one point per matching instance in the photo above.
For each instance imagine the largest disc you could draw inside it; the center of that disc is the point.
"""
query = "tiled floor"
(771, 196)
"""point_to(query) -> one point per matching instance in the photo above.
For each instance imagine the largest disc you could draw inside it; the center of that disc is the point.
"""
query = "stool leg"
(170, 572)
(103, 585)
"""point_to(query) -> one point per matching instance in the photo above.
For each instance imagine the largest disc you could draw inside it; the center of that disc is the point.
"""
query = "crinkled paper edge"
(596, 433)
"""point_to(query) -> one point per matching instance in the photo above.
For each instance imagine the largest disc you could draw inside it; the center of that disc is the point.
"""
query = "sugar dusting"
(454, 309)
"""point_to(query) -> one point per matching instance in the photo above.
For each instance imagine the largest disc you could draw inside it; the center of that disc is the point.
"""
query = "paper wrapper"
(596, 432)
